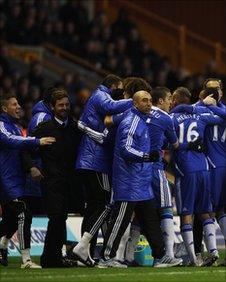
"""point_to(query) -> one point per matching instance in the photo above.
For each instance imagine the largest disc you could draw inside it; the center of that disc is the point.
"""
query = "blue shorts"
(161, 189)
(193, 195)
(218, 187)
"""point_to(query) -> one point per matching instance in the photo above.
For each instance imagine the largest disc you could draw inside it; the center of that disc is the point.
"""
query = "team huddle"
(117, 150)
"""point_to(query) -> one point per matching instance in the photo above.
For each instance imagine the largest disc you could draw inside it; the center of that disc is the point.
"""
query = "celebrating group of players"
(126, 126)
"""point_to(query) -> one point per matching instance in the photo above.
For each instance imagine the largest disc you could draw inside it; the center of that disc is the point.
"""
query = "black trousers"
(148, 218)
(97, 193)
(198, 234)
(34, 205)
(54, 240)
(97, 197)
(15, 216)
(55, 201)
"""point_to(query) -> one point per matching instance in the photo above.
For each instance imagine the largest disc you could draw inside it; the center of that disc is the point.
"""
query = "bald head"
(140, 94)
(142, 101)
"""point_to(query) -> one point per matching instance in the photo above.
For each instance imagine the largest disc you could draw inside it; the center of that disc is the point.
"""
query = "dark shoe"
(51, 263)
(132, 263)
(210, 260)
(4, 257)
(77, 257)
(69, 261)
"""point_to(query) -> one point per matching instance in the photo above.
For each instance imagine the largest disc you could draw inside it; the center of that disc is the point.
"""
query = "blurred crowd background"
(115, 47)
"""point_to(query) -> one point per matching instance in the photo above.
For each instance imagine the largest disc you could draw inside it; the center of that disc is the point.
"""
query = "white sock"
(84, 242)
(210, 235)
(64, 250)
(132, 242)
(167, 227)
(25, 255)
(4, 242)
(120, 255)
(222, 224)
(187, 235)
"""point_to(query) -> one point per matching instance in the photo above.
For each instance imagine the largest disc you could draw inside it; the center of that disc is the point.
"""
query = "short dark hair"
(4, 98)
(48, 92)
(209, 91)
(110, 80)
(183, 95)
(57, 95)
(127, 80)
(135, 84)
(212, 79)
(159, 93)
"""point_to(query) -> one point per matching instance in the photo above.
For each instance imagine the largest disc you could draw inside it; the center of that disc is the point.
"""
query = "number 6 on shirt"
(192, 134)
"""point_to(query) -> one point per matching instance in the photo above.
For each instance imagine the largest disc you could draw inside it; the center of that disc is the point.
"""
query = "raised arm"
(184, 108)
(14, 141)
(107, 106)
(221, 112)
(99, 137)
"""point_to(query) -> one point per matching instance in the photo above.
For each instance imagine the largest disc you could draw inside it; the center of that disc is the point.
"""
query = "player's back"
(215, 140)
(160, 128)
(190, 127)
(216, 144)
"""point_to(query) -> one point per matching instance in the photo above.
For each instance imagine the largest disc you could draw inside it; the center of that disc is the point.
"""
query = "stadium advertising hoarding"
(39, 227)
(38, 232)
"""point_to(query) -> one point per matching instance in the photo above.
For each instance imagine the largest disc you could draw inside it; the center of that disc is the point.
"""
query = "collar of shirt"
(61, 122)
(158, 109)
(145, 117)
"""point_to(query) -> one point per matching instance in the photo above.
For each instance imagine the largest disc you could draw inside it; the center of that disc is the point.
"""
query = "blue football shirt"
(190, 127)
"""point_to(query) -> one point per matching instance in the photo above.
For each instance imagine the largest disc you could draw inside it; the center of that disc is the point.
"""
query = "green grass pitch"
(142, 274)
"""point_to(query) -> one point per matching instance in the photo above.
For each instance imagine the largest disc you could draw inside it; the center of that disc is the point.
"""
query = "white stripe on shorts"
(165, 194)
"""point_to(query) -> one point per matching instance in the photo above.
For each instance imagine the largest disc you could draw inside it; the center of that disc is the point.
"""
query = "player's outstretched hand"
(210, 101)
(47, 141)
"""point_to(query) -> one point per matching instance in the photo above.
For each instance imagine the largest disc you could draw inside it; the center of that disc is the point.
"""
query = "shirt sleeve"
(95, 135)
(221, 112)
(15, 141)
(117, 118)
(211, 119)
(201, 110)
(107, 106)
(183, 109)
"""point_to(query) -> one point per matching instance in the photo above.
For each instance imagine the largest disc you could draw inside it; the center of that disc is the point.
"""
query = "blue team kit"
(193, 169)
